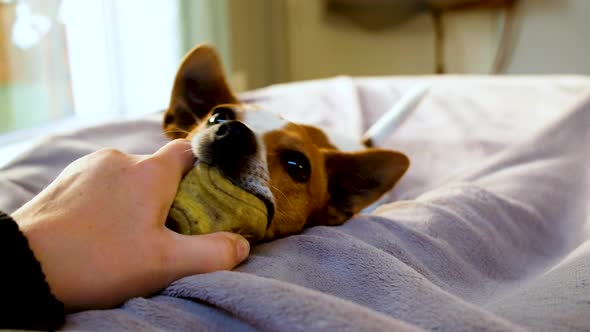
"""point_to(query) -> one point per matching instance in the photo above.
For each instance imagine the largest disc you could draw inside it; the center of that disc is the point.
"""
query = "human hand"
(98, 229)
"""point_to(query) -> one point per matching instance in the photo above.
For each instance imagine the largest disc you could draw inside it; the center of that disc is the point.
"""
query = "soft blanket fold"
(491, 234)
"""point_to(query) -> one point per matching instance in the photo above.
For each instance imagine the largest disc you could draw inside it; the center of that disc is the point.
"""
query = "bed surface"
(488, 230)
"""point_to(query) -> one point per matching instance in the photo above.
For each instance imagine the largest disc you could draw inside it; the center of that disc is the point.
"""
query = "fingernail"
(243, 248)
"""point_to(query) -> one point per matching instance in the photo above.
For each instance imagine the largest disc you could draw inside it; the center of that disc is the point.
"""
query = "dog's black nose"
(233, 138)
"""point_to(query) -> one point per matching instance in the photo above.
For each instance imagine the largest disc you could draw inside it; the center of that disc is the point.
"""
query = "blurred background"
(67, 62)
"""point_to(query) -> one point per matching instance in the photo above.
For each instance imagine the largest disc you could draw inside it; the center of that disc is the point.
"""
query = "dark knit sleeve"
(26, 300)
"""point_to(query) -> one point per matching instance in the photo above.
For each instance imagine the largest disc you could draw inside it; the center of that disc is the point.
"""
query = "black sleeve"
(26, 301)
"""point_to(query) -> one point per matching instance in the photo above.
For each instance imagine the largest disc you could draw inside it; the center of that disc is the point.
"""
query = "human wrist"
(32, 304)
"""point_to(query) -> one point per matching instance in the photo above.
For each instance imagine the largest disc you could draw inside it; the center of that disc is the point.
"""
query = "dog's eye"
(221, 114)
(296, 164)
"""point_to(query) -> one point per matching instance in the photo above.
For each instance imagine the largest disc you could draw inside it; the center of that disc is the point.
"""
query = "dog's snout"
(229, 129)
(236, 138)
(222, 131)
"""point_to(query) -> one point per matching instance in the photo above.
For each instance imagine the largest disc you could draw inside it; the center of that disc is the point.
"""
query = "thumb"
(176, 157)
(194, 254)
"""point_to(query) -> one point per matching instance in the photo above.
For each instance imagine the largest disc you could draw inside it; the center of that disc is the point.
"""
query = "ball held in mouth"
(207, 202)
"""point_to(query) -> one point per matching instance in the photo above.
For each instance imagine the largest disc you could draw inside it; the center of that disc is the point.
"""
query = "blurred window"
(83, 60)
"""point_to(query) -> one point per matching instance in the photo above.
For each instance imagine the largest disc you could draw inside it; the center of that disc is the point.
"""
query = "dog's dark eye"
(296, 165)
(221, 114)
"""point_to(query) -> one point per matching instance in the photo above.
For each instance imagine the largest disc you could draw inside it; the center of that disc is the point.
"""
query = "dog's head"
(295, 169)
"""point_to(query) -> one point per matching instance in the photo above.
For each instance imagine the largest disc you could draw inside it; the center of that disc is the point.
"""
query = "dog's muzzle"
(236, 138)
(232, 149)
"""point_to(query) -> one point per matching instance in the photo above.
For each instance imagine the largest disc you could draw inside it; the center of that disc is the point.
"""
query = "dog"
(301, 173)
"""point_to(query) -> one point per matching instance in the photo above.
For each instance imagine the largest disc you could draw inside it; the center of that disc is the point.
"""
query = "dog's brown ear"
(355, 180)
(199, 86)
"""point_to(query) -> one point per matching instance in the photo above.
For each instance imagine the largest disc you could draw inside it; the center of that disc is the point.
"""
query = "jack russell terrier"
(296, 170)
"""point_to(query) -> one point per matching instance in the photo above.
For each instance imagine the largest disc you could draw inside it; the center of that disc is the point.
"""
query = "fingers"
(177, 157)
(195, 254)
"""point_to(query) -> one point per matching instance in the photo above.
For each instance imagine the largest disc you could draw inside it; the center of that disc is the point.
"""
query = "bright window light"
(70, 63)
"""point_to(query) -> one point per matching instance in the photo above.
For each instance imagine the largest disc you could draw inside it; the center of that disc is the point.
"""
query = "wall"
(258, 44)
(552, 38)
(289, 40)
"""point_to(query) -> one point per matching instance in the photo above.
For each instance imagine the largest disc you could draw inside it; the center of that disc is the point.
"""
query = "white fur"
(262, 121)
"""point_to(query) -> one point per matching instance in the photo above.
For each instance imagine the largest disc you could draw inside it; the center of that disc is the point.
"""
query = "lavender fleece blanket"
(488, 231)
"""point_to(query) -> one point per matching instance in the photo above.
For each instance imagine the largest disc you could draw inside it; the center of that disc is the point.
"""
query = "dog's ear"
(355, 180)
(199, 86)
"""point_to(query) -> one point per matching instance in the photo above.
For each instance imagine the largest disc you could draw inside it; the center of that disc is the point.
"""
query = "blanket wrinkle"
(559, 169)
(284, 316)
(462, 264)
(360, 271)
